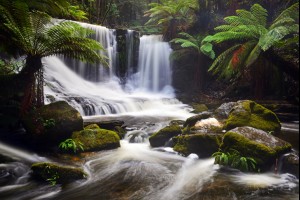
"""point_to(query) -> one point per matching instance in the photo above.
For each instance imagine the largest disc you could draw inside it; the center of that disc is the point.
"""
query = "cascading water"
(97, 72)
(106, 96)
(154, 74)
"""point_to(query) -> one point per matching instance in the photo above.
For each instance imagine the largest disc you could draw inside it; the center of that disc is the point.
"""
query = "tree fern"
(248, 29)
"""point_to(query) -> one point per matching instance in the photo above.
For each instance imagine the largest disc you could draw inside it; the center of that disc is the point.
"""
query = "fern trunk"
(30, 98)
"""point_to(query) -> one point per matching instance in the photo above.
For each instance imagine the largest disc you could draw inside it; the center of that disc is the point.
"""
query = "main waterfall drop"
(154, 65)
(96, 90)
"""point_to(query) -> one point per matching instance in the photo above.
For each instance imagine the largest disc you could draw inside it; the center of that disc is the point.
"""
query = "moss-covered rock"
(164, 135)
(53, 123)
(258, 144)
(108, 125)
(249, 113)
(120, 131)
(223, 111)
(199, 108)
(193, 120)
(202, 144)
(56, 174)
(92, 126)
(97, 139)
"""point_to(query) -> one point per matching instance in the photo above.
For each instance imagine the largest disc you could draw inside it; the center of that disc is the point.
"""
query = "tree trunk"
(32, 66)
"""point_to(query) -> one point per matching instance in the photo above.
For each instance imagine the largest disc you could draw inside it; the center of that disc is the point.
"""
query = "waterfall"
(97, 72)
(154, 68)
(96, 90)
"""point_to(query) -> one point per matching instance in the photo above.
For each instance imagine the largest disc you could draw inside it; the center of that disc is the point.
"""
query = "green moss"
(161, 137)
(203, 144)
(65, 120)
(97, 139)
(248, 148)
(198, 108)
(120, 131)
(92, 126)
(194, 119)
(254, 115)
(57, 174)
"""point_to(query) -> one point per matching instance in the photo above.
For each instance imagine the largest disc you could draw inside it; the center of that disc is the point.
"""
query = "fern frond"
(228, 36)
(260, 14)
(207, 49)
(253, 56)
(221, 63)
(273, 36)
(291, 12)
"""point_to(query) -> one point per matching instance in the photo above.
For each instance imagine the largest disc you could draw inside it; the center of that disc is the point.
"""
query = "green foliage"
(49, 123)
(195, 43)
(10, 66)
(53, 175)
(235, 160)
(71, 145)
(173, 13)
(250, 36)
(32, 33)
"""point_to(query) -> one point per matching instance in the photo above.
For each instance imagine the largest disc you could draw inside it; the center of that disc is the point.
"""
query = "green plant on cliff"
(172, 15)
(195, 47)
(251, 42)
(71, 145)
(235, 160)
(34, 36)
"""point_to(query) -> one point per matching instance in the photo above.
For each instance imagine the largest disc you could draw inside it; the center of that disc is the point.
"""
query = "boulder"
(56, 174)
(193, 120)
(97, 139)
(202, 144)
(223, 111)
(164, 135)
(290, 164)
(108, 125)
(249, 113)
(92, 126)
(255, 143)
(199, 108)
(53, 123)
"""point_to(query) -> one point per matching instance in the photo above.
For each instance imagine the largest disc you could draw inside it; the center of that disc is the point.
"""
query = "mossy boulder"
(92, 126)
(53, 123)
(199, 108)
(164, 135)
(108, 125)
(249, 113)
(120, 131)
(223, 111)
(97, 139)
(202, 144)
(255, 143)
(56, 174)
(194, 119)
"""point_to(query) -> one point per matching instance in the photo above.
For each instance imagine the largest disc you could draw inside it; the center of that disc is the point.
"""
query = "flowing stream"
(135, 171)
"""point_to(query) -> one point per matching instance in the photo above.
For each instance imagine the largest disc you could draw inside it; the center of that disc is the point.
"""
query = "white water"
(19, 154)
(154, 67)
(147, 93)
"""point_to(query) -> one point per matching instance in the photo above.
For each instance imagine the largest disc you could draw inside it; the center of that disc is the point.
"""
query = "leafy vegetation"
(31, 33)
(196, 49)
(235, 160)
(71, 145)
(251, 39)
(173, 16)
